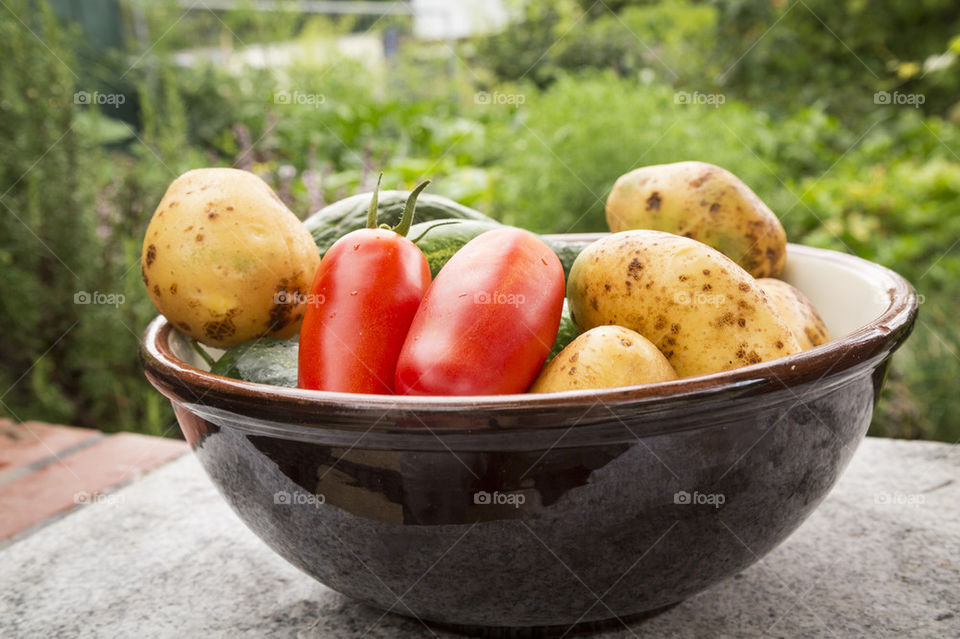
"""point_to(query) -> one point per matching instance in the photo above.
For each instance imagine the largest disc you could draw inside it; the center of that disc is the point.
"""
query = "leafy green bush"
(560, 156)
(669, 40)
(893, 201)
(772, 54)
(66, 357)
(837, 53)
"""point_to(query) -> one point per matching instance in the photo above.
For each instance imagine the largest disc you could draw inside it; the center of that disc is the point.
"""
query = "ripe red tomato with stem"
(488, 321)
(363, 298)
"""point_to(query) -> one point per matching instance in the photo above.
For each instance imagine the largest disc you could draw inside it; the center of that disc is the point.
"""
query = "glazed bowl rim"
(865, 346)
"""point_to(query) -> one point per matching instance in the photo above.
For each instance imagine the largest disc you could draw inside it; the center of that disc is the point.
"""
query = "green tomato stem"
(374, 202)
(427, 230)
(404, 226)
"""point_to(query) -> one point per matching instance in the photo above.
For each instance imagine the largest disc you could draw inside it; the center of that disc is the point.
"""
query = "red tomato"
(364, 296)
(488, 321)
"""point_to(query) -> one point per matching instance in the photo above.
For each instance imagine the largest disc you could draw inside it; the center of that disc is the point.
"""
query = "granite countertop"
(166, 557)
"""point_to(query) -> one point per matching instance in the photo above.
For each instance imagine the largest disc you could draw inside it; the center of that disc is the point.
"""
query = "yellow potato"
(796, 311)
(225, 261)
(604, 357)
(703, 202)
(703, 312)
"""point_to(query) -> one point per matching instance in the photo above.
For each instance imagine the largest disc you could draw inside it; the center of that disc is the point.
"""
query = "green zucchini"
(440, 239)
(332, 222)
(567, 333)
(566, 251)
(265, 361)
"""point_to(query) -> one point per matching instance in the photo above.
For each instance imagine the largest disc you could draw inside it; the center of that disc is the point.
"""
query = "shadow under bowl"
(555, 509)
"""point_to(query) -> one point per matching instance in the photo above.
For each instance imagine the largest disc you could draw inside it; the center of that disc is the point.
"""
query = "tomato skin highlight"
(362, 301)
(488, 321)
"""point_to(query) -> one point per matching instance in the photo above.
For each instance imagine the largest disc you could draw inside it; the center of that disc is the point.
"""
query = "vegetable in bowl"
(363, 299)
(374, 494)
(225, 260)
(694, 294)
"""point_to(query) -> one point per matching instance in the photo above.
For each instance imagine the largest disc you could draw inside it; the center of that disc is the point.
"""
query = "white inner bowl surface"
(845, 297)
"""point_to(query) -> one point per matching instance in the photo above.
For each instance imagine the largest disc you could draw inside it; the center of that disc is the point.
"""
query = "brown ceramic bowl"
(547, 510)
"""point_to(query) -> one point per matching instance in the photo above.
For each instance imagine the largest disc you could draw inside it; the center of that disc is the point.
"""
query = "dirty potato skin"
(703, 202)
(225, 261)
(797, 312)
(604, 357)
(698, 307)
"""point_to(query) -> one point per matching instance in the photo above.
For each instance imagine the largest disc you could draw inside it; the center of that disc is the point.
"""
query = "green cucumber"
(567, 333)
(265, 361)
(332, 222)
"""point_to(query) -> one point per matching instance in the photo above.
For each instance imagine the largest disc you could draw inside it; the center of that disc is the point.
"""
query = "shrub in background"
(560, 155)
(65, 357)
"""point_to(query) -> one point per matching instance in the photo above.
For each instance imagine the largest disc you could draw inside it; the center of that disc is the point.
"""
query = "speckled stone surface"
(166, 557)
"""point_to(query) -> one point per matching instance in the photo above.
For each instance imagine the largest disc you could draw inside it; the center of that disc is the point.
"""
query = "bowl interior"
(846, 297)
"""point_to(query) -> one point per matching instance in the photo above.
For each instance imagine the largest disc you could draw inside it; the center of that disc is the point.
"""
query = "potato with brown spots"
(604, 357)
(225, 261)
(796, 311)
(703, 202)
(701, 310)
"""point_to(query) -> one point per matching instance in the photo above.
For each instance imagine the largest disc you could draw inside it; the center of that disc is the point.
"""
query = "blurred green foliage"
(532, 125)
(839, 52)
(671, 41)
(774, 55)
(65, 359)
